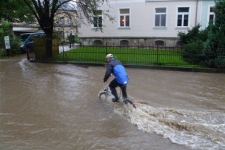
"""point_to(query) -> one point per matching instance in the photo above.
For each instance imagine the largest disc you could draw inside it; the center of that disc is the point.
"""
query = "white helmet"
(109, 55)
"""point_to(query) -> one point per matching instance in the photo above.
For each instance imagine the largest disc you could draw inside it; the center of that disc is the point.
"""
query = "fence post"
(63, 49)
(106, 48)
(157, 58)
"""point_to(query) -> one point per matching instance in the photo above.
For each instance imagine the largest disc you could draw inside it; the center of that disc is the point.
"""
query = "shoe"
(125, 101)
(115, 100)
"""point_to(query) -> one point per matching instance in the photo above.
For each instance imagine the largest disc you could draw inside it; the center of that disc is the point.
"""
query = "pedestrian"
(115, 67)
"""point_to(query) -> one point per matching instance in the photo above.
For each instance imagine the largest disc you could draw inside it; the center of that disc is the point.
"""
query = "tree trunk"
(48, 48)
(48, 45)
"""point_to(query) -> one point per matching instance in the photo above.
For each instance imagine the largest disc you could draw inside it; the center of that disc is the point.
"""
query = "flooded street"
(56, 106)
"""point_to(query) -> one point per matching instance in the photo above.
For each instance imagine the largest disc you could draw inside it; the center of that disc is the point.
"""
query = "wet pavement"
(56, 106)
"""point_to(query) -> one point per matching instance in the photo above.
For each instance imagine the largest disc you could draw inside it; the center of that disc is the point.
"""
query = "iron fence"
(129, 54)
(135, 54)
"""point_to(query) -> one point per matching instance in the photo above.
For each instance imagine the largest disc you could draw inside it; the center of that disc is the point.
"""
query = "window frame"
(69, 20)
(154, 21)
(124, 15)
(159, 41)
(209, 14)
(98, 25)
(183, 14)
(62, 20)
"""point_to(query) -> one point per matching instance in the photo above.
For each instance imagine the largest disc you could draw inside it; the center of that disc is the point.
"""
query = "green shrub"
(192, 52)
(76, 39)
(2, 53)
(220, 61)
(192, 35)
(15, 45)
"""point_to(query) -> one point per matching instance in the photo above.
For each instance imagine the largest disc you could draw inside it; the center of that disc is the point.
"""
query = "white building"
(151, 22)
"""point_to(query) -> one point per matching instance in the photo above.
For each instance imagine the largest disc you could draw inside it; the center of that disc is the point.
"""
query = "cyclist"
(121, 79)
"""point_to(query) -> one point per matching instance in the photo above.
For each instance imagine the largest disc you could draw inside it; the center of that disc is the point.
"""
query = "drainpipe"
(196, 14)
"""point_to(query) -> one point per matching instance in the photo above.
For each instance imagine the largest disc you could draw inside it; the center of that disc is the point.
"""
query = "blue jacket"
(116, 68)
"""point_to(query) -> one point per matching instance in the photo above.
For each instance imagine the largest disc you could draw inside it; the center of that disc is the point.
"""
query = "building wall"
(171, 29)
(205, 8)
(65, 23)
(111, 30)
(142, 18)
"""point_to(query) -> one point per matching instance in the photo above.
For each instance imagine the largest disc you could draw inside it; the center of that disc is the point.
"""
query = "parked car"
(27, 42)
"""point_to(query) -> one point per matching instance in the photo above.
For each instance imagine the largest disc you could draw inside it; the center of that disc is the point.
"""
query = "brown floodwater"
(56, 106)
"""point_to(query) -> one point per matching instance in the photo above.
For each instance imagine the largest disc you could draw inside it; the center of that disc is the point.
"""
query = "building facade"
(207, 13)
(145, 22)
(64, 25)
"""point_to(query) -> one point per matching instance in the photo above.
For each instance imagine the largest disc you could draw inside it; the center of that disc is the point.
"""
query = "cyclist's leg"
(124, 90)
(112, 85)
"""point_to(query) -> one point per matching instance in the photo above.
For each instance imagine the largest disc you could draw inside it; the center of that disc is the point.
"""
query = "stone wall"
(131, 41)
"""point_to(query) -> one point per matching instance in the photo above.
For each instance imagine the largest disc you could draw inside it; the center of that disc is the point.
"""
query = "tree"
(5, 30)
(207, 46)
(45, 10)
(15, 11)
(192, 35)
(193, 44)
(215, 44)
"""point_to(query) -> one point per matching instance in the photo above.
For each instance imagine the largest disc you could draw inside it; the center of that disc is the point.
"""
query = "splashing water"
(195, 129)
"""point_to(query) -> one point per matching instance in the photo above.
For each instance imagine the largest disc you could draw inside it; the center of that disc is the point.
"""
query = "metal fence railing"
(129, 54)
(137, 54)
(134, 55)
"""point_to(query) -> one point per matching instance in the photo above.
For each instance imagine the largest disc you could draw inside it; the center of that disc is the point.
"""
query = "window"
(211, 14)
(178, 43)
(182, 16)
(160, 17)
(69, 20)
(124, 43)
(61, 21)
(98, 42)
(159, 43)
(97, 19)
(124, 17)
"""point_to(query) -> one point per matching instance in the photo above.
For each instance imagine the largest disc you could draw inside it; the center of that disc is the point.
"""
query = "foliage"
(193, 44)
(5, 30)
(15, 11)
(220, 61)
(211, 40)
(76, 39)
(193, 52)
(215, 44)
(15, 45)
(192, 35)
(72, 39)
(45, 10)
(2, 53)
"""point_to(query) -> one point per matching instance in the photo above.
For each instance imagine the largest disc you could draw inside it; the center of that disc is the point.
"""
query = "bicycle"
(106, 91)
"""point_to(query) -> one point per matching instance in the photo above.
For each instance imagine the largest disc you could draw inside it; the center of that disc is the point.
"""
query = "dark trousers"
(113, 84)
